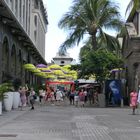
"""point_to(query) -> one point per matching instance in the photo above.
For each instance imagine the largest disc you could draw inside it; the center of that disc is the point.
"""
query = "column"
(24, 21)
(27, 14)
(17, 7)
(21, 7)
(8, 1)
(0, 55)
(29, 17)
(13, 7)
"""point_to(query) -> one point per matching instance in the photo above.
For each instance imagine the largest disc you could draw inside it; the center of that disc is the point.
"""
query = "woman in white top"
(58, 95)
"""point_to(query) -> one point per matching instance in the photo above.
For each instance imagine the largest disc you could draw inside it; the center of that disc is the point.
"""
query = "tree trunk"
(94, 42)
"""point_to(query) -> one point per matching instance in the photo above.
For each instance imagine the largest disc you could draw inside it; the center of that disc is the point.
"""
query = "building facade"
(62, 59)
(131, 52)
(23, 24)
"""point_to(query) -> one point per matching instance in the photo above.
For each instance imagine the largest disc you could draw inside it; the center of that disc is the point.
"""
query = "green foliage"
(76, 67)
(5, 87)
(106, 42)
(99, 62)
(89, 17)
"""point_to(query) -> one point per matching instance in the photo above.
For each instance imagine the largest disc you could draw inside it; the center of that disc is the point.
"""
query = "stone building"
(23, 24)
(131, 52)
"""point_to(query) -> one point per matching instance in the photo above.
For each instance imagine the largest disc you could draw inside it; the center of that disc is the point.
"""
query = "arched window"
(28, 58)
(35, 20)
(36, 5)
(35, 35)
(62, 62)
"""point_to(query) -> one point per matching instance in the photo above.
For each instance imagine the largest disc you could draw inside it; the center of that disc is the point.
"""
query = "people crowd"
(77, 97)
(80, 97)
(56, 96)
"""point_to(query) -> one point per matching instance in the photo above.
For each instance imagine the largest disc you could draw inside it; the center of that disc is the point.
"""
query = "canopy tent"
(84, 86)
(68, 84)
(116, 70)
(41, 66)
(55, 67)
(59, 82)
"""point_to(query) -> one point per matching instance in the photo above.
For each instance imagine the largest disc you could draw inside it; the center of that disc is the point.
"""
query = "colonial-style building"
(23, 24)
(131, 52)
(62, 59)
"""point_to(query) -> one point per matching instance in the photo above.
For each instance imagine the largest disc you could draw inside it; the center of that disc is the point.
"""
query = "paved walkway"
(70, 123)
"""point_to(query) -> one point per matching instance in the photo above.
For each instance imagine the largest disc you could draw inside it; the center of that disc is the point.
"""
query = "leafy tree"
(99, 63)
(89, 17)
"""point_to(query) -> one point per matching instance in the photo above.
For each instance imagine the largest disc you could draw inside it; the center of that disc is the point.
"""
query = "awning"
(84, 86)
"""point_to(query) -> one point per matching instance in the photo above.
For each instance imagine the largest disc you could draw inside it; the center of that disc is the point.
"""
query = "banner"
(113, 92)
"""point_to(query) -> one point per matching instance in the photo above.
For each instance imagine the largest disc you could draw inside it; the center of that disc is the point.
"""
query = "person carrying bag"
(32, 98)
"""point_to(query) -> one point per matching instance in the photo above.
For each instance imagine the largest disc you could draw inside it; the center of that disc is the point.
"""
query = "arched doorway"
(5, 60)
(13, 61)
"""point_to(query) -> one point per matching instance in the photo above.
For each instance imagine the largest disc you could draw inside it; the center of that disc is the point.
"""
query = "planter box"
(16, 100)
(8, 101)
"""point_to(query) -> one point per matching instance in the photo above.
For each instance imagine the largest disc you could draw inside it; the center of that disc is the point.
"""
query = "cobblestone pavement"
(70, 123)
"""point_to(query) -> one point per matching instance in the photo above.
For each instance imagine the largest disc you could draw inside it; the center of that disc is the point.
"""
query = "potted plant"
(4, 87)
(8, 96)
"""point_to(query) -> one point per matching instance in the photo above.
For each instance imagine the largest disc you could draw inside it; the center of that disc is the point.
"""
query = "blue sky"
(55, 36)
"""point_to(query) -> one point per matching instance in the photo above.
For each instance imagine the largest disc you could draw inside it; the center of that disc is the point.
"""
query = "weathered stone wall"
(18, 55)
(132, 62)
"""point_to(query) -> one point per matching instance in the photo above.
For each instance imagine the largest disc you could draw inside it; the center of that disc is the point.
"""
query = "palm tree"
(108, 43)
(89, 17)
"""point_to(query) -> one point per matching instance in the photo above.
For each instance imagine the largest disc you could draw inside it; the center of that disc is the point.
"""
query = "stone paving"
(70, 123)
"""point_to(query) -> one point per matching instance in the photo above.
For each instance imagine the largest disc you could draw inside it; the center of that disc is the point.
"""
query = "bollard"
(121, 102)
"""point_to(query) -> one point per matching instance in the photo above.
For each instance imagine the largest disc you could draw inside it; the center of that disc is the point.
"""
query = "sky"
(55, 36)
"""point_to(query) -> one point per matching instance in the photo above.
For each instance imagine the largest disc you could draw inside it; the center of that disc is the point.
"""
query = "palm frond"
(89, 16)
(109, 42)
(72, 40)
